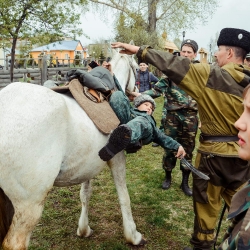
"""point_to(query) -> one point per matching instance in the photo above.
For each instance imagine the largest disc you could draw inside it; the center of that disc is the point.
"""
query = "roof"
(60, 45)
(170, 45)
(202, 50)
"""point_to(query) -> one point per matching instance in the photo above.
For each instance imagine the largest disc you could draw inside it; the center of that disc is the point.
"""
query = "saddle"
(94, 103)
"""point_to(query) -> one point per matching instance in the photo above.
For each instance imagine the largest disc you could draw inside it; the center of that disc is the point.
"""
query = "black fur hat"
(192, 43)
(235, 37)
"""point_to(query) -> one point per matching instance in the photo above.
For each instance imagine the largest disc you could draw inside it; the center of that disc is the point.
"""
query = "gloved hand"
(75, 74)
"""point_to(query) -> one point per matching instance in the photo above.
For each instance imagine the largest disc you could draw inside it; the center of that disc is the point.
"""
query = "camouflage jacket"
(218, 92)
(238, 233)
(157, 136)
(174, 97)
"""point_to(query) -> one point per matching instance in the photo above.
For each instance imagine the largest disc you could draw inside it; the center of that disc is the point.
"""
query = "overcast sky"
(230, 14)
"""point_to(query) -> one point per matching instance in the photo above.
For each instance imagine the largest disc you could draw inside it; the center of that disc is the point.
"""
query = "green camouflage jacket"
(238, 233)
(174, 97)
(218, 92)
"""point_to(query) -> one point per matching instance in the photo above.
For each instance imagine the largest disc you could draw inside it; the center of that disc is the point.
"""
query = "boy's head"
(145, 103)
(243, 125)
(189, 49)
(143, 66)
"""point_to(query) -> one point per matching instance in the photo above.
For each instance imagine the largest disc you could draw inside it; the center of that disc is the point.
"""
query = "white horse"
(47, 140)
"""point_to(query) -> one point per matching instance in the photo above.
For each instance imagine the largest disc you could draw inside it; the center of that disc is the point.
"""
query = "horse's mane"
(124, 67)
(116, 56)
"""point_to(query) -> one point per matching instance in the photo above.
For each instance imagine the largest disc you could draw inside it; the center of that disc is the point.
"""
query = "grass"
(165, 218)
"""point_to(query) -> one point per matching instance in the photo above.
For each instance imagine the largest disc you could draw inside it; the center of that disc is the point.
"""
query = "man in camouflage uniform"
(218, 91)
(179, 119)
(137, 124)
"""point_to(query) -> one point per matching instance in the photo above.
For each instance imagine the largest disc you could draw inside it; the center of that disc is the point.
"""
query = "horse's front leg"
(118, 168)
(83, 229)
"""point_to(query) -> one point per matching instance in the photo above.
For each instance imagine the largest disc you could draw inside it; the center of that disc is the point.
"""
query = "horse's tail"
(6, 214)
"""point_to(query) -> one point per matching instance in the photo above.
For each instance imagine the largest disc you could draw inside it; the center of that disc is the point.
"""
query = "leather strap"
(222, 138)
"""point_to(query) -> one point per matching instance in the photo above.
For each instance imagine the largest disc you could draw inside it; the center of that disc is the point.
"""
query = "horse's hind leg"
(26, 216)
(83, 225)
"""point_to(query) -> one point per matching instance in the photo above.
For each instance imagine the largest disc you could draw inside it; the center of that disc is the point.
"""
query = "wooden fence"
(38, 74)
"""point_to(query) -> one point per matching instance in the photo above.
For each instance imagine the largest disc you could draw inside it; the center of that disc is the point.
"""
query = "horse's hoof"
(142, 242)
(81, 235)
(90, 233)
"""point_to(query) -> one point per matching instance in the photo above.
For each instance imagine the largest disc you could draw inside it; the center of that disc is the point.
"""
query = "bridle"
(133, 69)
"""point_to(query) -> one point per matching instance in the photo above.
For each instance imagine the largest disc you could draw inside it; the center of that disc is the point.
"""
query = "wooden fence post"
(44, 70)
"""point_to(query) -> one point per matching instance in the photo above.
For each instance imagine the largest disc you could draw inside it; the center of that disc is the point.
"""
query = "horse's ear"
(132, 42)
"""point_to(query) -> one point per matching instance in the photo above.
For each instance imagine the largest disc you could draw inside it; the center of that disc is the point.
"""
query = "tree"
(154, 16)
(38, 20)
(213, 46)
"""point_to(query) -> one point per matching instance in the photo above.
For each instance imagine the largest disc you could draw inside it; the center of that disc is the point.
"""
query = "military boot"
(118, 140)
(167, 182)
(184, 184)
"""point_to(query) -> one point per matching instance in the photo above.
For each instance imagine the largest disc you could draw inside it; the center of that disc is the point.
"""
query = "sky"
(230, 14)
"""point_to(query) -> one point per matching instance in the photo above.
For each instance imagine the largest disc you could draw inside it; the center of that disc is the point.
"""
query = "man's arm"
(159, 88)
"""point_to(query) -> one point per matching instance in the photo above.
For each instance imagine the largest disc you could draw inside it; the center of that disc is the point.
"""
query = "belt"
(215, 138)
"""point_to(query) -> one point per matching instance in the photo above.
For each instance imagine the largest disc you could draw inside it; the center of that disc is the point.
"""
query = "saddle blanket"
(100, 113)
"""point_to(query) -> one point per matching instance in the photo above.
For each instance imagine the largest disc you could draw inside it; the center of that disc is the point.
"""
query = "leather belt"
(215, 138)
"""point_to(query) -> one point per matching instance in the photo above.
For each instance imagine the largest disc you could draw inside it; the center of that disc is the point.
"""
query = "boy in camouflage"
(137, 124)
(237, 235)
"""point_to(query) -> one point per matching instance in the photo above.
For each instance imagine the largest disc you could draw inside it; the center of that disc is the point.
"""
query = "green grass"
(165, 218)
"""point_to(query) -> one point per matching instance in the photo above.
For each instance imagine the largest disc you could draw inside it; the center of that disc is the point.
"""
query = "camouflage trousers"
(141, 125)
(182, 126)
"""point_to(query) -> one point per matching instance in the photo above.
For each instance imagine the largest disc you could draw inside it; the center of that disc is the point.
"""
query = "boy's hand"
(107, 66)
(135, 94)
(181, 152)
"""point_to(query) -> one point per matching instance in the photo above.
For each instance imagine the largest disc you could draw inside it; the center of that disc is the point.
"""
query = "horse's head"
(124, 68)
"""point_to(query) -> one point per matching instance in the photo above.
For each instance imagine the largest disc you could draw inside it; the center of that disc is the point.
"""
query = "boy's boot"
(118, 140)
(167, 182)
(184, 184)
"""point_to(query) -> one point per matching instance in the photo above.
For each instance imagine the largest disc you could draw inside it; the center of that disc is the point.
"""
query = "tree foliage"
(146, 18)
(38, 21)
(213, 45)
